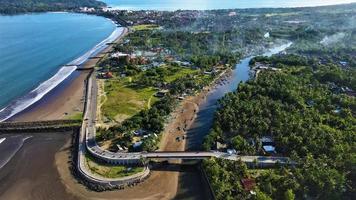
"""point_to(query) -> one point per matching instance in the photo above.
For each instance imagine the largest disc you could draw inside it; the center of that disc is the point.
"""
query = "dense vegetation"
(151, 120)
(23, 6)
(310, 120)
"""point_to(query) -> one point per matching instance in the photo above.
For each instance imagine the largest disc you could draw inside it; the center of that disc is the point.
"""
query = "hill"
(23, 6)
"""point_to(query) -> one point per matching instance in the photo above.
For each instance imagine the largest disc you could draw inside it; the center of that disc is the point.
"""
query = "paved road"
(123, 158)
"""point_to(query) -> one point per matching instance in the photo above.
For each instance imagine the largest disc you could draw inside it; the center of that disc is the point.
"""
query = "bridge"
(87, 144)
(136, 157)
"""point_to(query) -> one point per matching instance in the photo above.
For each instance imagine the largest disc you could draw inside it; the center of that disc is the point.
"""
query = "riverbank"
(171, 181)
(67, 99)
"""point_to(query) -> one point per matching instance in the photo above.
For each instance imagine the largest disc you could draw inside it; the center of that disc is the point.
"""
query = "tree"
(289, 195)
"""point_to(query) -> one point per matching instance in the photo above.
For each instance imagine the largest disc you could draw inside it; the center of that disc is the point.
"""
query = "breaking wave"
(33, 96)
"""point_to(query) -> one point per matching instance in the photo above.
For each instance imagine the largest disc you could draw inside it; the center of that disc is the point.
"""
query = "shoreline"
(66, 99)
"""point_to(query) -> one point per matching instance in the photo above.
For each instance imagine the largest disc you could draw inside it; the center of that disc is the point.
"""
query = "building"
(268, 145)
(248, 184)
(161, 93)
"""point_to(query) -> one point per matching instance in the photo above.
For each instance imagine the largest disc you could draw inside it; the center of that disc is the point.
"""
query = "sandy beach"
(67, 99)
(164, 183)
(32, 174)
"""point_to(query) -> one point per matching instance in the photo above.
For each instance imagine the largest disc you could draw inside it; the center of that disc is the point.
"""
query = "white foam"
(2, 140)
(19, 145)
(99, 47)
(36, 94)
(24, 102)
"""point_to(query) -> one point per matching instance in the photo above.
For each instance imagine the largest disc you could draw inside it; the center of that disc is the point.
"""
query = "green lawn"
(143, 27)
(76, 116)
(175, 73)
(124, 101)
(111, 171)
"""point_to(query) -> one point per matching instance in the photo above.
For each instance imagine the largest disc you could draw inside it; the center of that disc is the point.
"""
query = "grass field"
(124, 101)
(111, 171)
(76, 116)
(176, 73)
(143, 27)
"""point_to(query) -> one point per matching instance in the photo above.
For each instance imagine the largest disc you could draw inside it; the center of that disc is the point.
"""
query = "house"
(137, 144)
(269, 149)
(343, 63)
(109, 75)
(139, 132)
(267, 35)
(310, 103)
(105, 75)
(248, 184)
(208, 73)
(118, 55)
(231, 151)
(268, 145)
(161, 93)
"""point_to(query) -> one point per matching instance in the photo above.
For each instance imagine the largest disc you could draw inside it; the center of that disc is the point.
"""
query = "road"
(130, 158)
(87, 144)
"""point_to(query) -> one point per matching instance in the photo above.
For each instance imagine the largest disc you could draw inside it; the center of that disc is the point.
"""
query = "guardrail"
(86, 174)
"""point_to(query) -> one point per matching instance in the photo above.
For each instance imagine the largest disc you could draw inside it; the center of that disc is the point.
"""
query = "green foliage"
(313, 134)
(289, 195)
(110, 171)
(22, 6)
(124, 100)
(224, 176)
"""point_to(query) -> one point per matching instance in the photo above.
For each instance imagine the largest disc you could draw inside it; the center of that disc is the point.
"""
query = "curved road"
(88, 134)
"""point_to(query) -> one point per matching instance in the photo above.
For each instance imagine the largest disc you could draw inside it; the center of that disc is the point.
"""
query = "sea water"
(35, 49)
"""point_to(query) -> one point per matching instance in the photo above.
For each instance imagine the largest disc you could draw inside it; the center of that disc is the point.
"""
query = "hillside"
(22, 6)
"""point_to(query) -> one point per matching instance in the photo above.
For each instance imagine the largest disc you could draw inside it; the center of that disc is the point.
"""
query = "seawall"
(40, 126)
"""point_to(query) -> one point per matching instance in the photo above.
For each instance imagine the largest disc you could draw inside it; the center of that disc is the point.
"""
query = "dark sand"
(31, 174)
(41, 169)
(62, 102)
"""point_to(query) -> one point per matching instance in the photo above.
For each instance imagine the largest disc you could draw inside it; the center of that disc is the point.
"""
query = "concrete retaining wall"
(40, 126)
(206, 180)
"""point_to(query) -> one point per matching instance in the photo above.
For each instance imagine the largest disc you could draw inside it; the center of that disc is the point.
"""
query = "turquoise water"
(215, 4)
(34, 48)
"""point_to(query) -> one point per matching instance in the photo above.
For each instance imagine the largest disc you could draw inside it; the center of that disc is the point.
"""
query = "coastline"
(165, 182)
(67, 98)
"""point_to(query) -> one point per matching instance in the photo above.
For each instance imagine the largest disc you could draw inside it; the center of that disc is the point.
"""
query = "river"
(204, 120)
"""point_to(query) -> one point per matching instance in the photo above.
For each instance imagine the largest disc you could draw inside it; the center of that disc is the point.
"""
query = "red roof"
(248, 184)
(108, 75)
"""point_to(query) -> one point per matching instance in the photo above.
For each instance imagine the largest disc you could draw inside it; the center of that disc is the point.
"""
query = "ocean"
(215, 4)
(35, 50)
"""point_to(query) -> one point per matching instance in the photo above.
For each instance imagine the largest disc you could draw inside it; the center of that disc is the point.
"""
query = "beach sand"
(166, 182)
(64, 101)
(163, 183)
(67, 99)
(32, 174)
